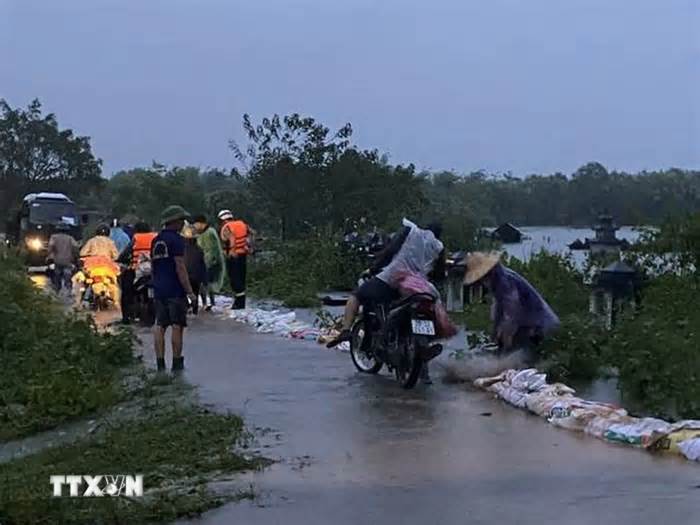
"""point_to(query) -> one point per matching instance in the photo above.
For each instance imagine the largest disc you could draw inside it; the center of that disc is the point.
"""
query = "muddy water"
(357, 449)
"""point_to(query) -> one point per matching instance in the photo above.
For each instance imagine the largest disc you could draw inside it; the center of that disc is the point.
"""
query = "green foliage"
(57, 365)
(295, 272)
(656, 351)
(35, 154)
(177, 450)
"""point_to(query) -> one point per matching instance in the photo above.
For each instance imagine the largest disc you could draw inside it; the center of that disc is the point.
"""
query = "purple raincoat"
(517, 305)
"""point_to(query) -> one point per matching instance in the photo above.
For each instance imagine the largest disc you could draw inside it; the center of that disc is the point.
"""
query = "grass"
(178, 450)
(58, 366)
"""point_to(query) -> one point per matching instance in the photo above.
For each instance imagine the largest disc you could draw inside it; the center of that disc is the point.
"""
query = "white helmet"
(225, 215)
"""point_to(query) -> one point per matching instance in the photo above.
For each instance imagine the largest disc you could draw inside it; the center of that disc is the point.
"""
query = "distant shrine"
(605, 241)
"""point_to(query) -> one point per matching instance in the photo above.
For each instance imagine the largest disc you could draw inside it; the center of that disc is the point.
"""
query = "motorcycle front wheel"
(363, 359)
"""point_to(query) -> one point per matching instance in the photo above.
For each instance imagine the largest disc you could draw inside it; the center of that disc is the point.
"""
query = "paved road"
(357, 449)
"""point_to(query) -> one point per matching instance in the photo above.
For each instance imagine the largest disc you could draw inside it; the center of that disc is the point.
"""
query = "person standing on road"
(194, 261)
(235, 236)
(171, 286)
(208, 241)
(62, 251)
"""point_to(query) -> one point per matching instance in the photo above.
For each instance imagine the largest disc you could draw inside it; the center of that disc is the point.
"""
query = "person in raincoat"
(208, 241)
(521, 317)
(119, 236)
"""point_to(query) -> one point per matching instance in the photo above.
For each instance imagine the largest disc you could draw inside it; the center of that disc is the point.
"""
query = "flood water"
(555, 239)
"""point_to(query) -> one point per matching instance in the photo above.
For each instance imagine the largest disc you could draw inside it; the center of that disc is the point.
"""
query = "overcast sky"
(520, 85)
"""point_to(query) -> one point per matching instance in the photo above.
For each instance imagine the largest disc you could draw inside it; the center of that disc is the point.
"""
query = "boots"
(178, 364)
(239, 302)
(160, 363)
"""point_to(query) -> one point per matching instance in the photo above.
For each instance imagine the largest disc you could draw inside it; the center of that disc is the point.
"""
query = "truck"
(41, 215)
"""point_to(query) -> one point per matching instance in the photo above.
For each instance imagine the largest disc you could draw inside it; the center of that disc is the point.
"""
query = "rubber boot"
(160, 363)
(239, 302)
(178, 364)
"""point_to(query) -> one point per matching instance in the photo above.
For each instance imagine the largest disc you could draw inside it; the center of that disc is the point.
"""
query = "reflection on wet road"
(358, 449)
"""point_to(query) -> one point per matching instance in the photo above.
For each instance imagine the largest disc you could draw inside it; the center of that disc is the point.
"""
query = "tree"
(35, 154)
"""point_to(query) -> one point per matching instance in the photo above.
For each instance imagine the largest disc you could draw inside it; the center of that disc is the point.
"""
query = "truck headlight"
(34, 244)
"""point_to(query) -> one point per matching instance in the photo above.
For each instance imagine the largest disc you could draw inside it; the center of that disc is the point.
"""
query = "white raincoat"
(418, 253)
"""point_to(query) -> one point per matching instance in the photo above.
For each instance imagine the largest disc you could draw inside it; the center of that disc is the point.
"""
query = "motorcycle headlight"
(34, 244)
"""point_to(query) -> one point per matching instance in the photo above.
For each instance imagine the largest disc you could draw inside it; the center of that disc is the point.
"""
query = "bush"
(656, 352)
(57, 366)
(296, 271)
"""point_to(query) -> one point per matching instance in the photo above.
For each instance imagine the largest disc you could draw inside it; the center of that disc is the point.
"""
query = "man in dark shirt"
(171, 286)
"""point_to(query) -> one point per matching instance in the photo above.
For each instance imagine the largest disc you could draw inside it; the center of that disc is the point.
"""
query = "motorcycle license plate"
(423, 327)
(150, 293)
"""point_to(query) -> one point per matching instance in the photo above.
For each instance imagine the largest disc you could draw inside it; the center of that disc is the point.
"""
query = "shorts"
(374, 292)
(171, 311)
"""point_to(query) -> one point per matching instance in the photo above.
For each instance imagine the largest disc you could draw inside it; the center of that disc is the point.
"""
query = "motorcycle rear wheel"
(407, 375)
(363, 361)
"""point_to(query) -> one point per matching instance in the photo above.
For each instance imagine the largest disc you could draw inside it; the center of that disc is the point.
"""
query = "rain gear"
(209, 242)
(120, 238)
(100, 246)
(518, 306)
(418, 254)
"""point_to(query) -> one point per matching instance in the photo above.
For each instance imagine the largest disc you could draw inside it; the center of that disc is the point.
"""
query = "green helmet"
(173, 213)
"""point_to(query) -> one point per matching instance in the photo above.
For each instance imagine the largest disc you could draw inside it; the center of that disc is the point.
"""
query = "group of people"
(188, 258)
(520, 315)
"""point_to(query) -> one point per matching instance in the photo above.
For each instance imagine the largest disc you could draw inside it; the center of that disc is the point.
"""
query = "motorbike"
(97, 278)
(144, 308)
(400, 335)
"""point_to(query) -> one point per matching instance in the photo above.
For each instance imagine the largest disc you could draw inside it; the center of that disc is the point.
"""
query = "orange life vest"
(238, 237)
(142, 246)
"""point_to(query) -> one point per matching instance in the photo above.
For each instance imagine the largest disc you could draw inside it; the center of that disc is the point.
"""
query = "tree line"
(293, 176)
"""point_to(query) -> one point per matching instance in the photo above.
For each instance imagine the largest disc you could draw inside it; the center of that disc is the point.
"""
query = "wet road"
(357, 449)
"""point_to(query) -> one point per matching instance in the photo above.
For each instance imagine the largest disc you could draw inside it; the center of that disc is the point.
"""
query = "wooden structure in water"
(507, 234)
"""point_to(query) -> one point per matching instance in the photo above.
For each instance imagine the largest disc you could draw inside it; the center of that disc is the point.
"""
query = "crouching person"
(521, 317)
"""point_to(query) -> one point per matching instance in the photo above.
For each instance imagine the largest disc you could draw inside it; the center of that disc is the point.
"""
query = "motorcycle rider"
(102, 246)
(408, 250)
(139, 249)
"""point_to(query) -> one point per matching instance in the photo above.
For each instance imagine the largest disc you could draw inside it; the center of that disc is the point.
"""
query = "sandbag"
(680, 432)
(638, 432)
(599, 425)
(690, 449)
(574, 413)
(508, 393)
(542, 402)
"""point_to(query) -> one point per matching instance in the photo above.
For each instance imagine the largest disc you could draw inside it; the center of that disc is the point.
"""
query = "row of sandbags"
(283, 323)
(558, 404)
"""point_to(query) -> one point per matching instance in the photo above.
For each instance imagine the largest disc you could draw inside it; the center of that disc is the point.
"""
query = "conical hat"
(479, 264)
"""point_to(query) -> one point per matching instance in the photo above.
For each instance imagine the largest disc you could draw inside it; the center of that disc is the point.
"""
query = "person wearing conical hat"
(520, 315)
